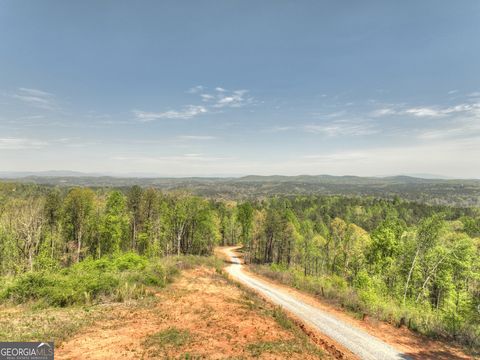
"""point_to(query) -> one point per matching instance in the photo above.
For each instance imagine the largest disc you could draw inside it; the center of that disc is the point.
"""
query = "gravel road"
(359, 342)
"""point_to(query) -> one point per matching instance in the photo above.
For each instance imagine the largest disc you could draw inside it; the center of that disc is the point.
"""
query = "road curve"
(359, 342)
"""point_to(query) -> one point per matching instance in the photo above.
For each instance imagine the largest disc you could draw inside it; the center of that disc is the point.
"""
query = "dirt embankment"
(200, 316)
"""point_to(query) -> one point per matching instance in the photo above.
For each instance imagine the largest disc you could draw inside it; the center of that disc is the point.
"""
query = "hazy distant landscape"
(455, 192)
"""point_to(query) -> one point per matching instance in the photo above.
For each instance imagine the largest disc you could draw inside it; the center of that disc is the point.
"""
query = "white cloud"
(342, 128)
(221, 99)
(236, 99)
(36, 98)
(464, 108)
(196, 89)
(280, 128)
(21, 143)
(332, 115)
(227, 99)
(335, 157)
(207, 97)
(459, 129)
(386, 111)
(187, 112)
(172, 159)
(196, 137)
(424, 112)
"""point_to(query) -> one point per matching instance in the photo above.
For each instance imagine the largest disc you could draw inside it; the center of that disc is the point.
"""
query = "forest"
(405, 262)
(454, 192)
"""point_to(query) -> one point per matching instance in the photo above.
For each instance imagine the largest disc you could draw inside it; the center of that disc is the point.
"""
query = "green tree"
(77, 209)
(134, 202)
(114, 225)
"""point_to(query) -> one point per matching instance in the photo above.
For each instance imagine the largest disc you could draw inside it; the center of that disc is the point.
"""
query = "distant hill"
(432, 191)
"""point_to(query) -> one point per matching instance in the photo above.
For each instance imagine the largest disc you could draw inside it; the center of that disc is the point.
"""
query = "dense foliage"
(410, 263)
(43, 227)
(122, 277)
(455, 192)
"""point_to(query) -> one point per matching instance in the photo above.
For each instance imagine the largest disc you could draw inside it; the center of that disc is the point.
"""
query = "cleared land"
(200, 316)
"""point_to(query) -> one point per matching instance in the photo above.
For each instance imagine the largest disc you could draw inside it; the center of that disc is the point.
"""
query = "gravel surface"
(359, 342)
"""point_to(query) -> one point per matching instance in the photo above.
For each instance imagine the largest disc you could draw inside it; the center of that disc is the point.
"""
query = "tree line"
(53, 227)
(416, 256)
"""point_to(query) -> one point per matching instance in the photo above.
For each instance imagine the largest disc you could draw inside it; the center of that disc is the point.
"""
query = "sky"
(237, 87)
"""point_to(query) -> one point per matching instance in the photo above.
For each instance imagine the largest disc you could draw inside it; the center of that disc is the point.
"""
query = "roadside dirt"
(415, 346)
(220, 321)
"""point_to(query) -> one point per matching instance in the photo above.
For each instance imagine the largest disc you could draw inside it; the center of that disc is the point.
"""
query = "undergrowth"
(110, 279)
(373, 303)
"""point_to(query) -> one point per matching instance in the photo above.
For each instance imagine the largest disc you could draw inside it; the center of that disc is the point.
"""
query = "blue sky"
(198, 88)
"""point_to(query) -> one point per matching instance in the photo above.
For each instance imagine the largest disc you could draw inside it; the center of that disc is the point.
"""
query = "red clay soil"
(216, 314)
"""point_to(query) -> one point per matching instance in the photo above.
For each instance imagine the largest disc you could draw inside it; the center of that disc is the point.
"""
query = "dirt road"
(356, 340)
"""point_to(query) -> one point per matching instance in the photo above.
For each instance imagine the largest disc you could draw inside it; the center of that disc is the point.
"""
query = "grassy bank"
(366, 301)
(56, 304)
(110, 279)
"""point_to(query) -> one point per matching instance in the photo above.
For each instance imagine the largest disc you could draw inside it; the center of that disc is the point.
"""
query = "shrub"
(119, 278)
(130, 261)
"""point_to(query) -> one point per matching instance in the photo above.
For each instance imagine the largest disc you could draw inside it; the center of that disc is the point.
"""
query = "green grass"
(120, 278)
(110, 279)
(171, 337)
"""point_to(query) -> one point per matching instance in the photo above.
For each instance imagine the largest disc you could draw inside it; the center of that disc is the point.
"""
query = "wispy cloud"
(187, 158)
(427, 111)
(187, 112)
(280, 128)
(424, 112)
(385, 111)
(207, 97)
(459, 129)
(343, 128)
(196, 137)
(36, 98)
(21, 143)
(195, 89)
(223, 98)
(335, 157)
(220, 98)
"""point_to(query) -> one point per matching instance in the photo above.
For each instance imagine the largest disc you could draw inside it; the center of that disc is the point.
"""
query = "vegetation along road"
(354, 339)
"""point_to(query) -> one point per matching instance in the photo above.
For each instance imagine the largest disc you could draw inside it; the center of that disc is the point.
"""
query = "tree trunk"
(134, 235)
(409, 276)
(79, 244)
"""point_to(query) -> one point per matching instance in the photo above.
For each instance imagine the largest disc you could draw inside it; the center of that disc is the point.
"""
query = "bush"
(91, 281)
(130, 261)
